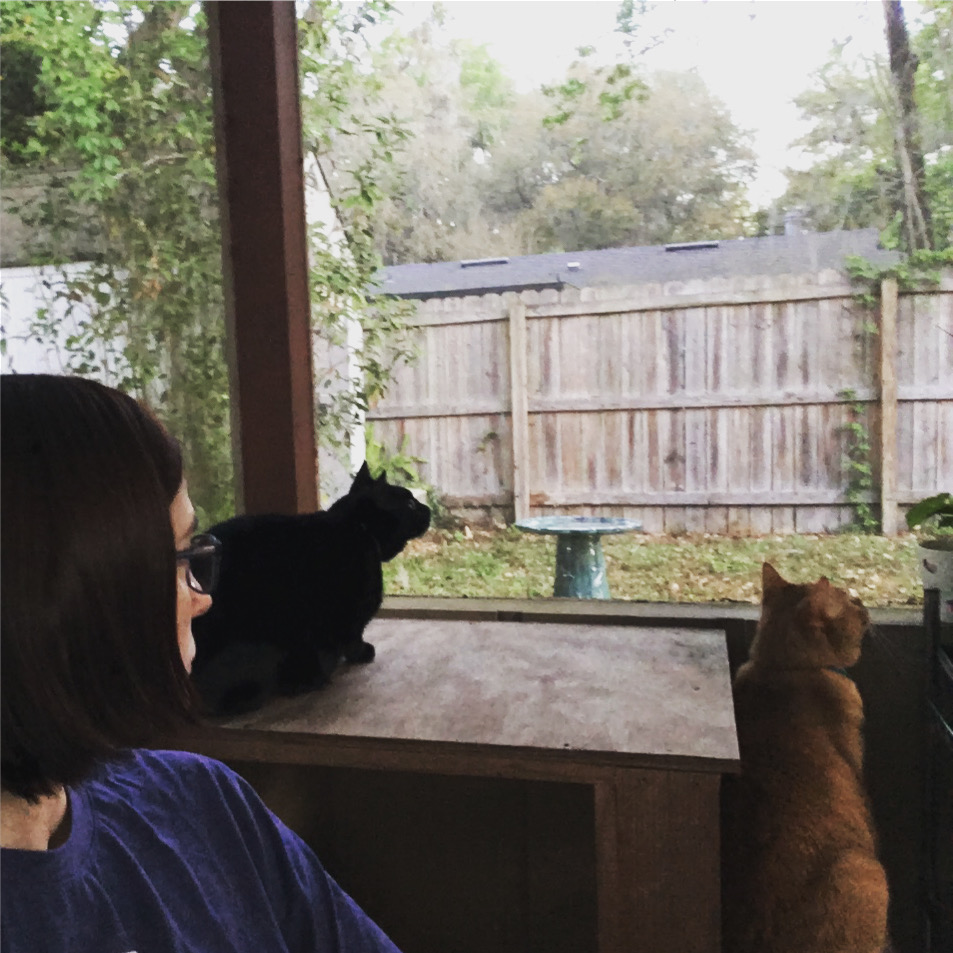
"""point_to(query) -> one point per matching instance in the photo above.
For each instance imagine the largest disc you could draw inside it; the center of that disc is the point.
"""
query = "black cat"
(296, 592)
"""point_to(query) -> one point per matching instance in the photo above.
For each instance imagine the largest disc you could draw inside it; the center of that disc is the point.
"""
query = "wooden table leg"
(657, 862)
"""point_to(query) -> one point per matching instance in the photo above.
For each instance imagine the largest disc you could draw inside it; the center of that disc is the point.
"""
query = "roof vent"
(690, 246)
(476, 262)
(573, 265)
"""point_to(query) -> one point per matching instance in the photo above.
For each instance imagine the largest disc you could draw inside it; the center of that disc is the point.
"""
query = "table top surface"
(586, 525)
(577, 689)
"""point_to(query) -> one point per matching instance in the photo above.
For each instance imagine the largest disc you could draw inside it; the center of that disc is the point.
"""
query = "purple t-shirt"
(174, 852)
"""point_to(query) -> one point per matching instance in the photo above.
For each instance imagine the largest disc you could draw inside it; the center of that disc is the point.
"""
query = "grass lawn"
(699, 568)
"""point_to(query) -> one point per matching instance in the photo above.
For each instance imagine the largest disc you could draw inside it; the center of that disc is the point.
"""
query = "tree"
(850, 183)
(915, 208)
(933, 45)
(451, 99)
(486, 171)
(859, 176)
(114, 107)
(668, 165)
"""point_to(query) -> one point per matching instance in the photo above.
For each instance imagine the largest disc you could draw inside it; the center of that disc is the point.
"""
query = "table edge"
(277, 746)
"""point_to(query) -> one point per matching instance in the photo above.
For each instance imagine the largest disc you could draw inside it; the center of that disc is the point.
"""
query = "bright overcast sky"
(756, 55)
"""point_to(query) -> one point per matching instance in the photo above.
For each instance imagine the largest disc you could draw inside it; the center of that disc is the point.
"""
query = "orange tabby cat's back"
(800, 871)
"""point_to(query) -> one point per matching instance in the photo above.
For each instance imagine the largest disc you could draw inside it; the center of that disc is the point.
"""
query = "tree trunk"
(903, 67)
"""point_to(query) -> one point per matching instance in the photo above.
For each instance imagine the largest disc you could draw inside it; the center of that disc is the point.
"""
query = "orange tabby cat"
(800, 871)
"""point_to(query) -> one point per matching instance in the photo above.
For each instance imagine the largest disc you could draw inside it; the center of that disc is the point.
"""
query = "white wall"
(330, 361)
(22, 292)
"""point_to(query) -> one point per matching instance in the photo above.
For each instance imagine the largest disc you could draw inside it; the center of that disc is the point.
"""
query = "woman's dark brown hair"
(90, 662)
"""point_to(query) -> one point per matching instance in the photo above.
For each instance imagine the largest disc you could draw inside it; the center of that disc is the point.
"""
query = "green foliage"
(937, 510)
(852, 182)
(933, 46)
(399, 466)
(124, 132)
(22, 99)
(612, 86)
(917, 271)
(486, 93)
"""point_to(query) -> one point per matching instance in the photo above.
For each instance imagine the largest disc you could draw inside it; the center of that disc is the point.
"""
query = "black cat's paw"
(360, 653)
(306, 673)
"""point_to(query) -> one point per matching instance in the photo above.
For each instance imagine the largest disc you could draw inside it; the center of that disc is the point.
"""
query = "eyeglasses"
(204, 558)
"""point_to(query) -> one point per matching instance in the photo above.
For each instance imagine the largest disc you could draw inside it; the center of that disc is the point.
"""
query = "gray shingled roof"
(772, 255)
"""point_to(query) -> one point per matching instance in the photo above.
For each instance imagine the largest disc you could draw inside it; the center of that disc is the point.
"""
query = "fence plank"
(888, 407)
(519, 410)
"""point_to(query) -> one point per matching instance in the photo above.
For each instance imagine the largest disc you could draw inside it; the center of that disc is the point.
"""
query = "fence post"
(890, 520)
(519, 409)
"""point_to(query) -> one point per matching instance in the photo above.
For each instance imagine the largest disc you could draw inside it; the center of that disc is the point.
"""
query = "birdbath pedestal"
(580, 563)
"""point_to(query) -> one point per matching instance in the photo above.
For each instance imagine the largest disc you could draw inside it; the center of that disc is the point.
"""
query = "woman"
(108, 847)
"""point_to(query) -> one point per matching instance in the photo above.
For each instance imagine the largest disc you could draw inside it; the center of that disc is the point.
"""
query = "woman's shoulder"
(205, 798)
(148, 775)
(141, 762)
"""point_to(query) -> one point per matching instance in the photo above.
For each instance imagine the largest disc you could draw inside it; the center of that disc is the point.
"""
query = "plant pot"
(936, 571)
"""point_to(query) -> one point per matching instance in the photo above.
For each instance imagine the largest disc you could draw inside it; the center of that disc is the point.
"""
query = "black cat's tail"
(240, 679)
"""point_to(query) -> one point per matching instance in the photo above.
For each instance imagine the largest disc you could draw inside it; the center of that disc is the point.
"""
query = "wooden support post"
(264, 251)
(889, 300)
(658, 855)
(519, 406)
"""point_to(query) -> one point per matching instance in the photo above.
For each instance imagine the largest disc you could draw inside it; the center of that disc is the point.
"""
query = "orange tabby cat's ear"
(824, 598)
(771, 578)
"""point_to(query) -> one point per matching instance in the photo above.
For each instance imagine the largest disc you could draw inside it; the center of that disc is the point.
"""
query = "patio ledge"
(608, 611)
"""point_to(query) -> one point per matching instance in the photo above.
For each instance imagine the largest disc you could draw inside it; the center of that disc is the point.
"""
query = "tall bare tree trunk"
(903, 67)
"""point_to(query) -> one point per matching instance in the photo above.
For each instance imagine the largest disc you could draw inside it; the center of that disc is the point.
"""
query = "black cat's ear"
(363, 477)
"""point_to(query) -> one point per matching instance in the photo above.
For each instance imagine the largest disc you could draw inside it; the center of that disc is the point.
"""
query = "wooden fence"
(716, 406)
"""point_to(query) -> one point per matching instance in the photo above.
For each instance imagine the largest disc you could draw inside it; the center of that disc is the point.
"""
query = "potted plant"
(936, 551)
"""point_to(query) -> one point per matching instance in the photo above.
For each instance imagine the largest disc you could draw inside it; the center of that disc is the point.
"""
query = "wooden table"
(636, 723)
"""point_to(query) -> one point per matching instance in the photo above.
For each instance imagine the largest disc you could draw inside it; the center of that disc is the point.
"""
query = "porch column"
(254, 59)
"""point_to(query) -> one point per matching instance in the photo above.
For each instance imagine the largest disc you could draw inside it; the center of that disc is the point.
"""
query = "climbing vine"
(917, 271)
(858, 464)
